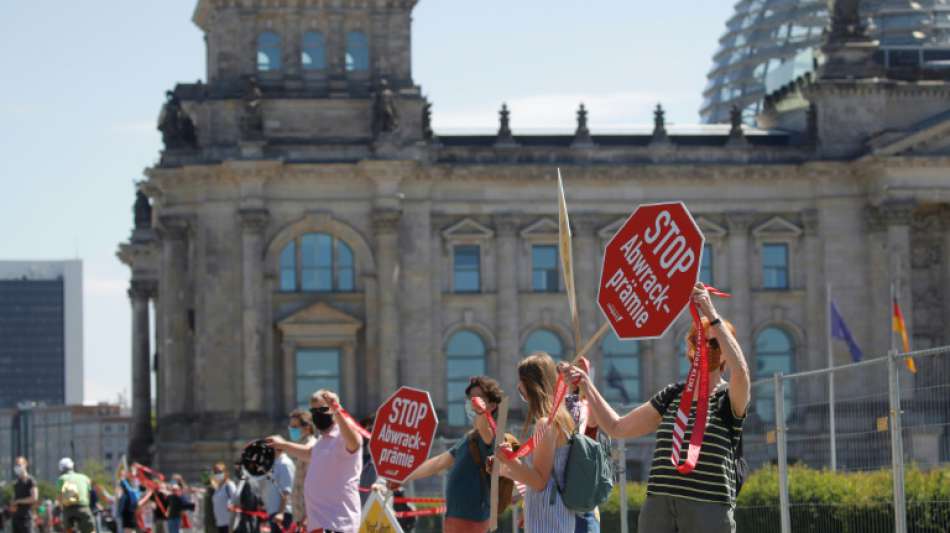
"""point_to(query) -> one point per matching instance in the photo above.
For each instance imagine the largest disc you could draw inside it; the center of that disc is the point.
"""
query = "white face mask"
(469, 412)
(219, 476)
(18, 470)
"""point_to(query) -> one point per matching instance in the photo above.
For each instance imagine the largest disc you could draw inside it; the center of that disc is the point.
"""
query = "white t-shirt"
(220, 501)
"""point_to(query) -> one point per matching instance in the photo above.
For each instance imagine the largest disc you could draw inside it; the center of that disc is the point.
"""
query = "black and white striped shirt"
(714, 478)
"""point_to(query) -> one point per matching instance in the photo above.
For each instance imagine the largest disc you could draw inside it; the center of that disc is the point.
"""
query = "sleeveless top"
(540, 513)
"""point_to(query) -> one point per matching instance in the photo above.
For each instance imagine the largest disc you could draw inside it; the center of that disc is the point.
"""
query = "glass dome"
(770, 42)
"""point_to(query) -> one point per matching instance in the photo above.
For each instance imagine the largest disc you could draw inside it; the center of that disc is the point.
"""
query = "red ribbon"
(697, 370)
(420, 512)
(481, 408)
(560, 391)
(255, 514)
(418, 500)
(352, 422)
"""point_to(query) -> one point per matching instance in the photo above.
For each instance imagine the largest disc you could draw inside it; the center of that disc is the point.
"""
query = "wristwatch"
(715, 322)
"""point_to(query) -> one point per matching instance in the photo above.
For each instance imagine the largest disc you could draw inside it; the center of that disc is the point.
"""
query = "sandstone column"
(385, 228)
(740, 280)
(815, 288)
(174, 313)
(897, 217)
(253, 224)
(415, 301)
(141, 438)
(586, 276)
(506, 311)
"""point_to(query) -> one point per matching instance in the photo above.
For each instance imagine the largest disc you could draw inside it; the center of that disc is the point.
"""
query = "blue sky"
(84, 82)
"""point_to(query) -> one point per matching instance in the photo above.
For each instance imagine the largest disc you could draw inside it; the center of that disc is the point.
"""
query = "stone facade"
(858, 192)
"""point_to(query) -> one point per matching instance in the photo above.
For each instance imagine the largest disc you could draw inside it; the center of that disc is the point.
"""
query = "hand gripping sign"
(402, 434)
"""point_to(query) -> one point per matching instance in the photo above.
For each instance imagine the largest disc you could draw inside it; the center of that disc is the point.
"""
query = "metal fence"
(874, 415)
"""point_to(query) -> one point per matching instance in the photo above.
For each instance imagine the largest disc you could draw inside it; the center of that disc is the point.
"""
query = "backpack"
(588, 475)
(505, 485)
(741, 466)
(70, 493)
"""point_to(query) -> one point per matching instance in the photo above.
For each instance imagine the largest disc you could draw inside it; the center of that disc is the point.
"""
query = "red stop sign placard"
(650, 267)
(402, 433)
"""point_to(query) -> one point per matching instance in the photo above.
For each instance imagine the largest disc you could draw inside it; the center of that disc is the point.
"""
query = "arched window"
(357, 51)
(621, 370)
(774, 352)
(325, 264)
(544, 340)
(464, 358)
(313, 54)
(268, 51)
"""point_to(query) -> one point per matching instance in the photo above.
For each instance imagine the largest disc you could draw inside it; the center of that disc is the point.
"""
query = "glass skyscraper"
(770, 42)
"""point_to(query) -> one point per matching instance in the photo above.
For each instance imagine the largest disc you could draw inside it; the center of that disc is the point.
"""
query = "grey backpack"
(588, 476)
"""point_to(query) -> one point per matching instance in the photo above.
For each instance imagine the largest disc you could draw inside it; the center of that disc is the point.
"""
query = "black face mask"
(322, 418)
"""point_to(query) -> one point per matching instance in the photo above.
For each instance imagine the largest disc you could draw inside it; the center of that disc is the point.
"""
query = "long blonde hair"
(538, 375)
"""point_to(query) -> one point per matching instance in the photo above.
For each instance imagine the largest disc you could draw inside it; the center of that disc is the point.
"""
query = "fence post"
(622, 467)
(785, 515)
(514, 517)
(831, 421)
(897, 443)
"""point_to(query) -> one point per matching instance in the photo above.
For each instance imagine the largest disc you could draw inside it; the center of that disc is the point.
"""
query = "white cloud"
(557, 111)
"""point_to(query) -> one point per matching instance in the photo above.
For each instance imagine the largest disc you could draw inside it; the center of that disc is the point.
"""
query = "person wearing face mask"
(301, 431)
(178, 503)
(467, 496)
(25, 497)
(224, 490)
(331, 487)
(704, 499)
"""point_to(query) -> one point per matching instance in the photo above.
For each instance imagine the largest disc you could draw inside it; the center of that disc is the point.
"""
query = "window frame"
(787, 266)
(608, 356)
(304, 52)
(347, 53)
(338, 389)
(557, 336)
(260, 48)
(556, 270)
(477, 268)
(449, 358)
(760, 401)
(335, 268)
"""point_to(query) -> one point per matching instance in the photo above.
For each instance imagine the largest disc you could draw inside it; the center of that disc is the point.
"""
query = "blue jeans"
(586, 523)
(173, 525)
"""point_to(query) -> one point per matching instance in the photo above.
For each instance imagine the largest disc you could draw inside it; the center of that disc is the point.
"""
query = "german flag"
(898, 326)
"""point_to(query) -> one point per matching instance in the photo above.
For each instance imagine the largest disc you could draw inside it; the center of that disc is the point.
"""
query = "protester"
(73, 491)
(277, 491)
(467, 493)
(704, 499)
(576, 404)
(247, 502)
(129, 497)
(544, 510)
(160, 513)
(178, 503)
(331, 488)
(301, 431)
(224, 492)
(25, 497)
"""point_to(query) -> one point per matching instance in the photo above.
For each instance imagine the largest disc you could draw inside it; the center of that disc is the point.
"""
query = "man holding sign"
(649, 276)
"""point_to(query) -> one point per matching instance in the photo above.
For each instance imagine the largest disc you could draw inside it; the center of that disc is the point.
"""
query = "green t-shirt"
(467, 491)
(73, 488)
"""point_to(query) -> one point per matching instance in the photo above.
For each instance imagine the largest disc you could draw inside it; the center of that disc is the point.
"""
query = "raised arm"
(353, 440)
(432, 466)
(641, 421)
(739, 381)
(296, 450)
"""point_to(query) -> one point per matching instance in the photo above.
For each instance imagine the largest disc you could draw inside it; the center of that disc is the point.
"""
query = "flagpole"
(831, 380)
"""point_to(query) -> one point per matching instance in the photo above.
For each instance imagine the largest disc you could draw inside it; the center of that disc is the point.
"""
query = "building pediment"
(611, 229)
(928, 137)
(710, 229)
(544, 227)
(467, 228)
(777, 227)
(319, 320)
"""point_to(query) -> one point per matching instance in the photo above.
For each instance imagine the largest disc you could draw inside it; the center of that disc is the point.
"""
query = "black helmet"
(257, 458)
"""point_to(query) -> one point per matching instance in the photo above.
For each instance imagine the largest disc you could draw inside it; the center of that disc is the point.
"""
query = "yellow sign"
(770, 437)
(567, 258)
(882, 423)
(377, 517)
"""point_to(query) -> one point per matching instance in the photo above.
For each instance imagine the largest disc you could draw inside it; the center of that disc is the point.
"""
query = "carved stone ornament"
(178, 130)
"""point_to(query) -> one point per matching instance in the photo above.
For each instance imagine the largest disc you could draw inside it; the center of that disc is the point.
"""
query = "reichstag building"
(305, 227)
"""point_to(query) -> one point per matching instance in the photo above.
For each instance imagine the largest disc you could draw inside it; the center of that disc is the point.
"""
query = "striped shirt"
(714, 478)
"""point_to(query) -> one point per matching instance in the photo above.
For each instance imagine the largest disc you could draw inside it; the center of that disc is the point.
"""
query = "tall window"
(465, 357)
(313, 54)
(467, 268)
(268, 51)
(544, 340)
(325, 264)
(706, 265)
(317, 368)
(621, 370)
(544, 268)
(774, 351)
(775, 266)
(357, 51)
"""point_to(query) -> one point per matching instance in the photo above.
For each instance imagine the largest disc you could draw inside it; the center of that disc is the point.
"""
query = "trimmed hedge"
(821, 499)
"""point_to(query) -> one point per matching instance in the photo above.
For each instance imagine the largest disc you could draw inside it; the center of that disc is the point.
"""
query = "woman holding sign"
(331, 488)
(543, 508)
(703, 498)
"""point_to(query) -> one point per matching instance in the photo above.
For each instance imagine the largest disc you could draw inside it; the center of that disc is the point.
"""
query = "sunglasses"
(712, 343)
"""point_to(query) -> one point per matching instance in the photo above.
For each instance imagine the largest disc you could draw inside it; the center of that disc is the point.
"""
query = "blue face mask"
(469, 412)
(295, 434)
